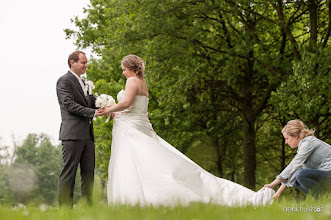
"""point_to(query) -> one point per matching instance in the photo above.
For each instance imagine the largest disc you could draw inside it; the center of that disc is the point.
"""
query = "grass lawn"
(281, 209)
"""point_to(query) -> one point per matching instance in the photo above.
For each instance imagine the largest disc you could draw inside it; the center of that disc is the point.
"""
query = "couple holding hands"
(146, 170)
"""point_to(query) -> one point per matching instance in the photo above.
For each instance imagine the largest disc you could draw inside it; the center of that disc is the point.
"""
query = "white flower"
(43, 207)
(111, 102)
(89, 86)
(20, 206)
(103, 96)
(98, 103)
(90, 83)
(103, 101)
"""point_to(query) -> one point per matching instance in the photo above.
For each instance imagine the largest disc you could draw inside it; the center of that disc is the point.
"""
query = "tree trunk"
(248, 119)
(283, 157)
(220, 152)
(313, 22)
(233, 173)
(249, 148)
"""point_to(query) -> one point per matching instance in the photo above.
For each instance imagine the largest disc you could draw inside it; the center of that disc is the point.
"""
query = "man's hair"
(74, 56)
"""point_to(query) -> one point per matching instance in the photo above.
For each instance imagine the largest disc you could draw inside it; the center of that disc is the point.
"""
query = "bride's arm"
(131, 89)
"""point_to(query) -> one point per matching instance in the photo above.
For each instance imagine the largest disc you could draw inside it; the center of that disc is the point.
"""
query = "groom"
(76, 132)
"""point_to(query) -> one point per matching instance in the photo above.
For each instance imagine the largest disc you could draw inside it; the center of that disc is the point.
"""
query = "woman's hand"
(268, 185)
(103, 111)
(276, 195)
(279, 192)
(273, 184)
(107, 110)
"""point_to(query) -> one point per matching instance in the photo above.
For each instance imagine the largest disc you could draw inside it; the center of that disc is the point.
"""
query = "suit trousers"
(74, 153)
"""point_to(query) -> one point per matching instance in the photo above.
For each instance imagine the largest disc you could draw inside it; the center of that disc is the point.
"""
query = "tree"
(306, 93)
(211, 34)
(33, 176)
(4, 157)
(211, 64)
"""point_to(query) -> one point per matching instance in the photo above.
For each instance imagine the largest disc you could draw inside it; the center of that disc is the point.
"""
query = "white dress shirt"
(84, 87)
(80, 80)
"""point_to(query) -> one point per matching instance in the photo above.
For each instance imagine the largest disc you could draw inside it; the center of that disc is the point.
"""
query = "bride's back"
(142, 87)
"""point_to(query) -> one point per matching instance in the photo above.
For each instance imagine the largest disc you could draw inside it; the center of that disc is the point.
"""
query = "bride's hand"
(106, 111)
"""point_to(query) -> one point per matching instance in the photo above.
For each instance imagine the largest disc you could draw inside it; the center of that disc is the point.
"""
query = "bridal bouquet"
(103, 101)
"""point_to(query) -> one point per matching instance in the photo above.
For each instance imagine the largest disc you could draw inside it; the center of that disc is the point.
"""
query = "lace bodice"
(139, 106)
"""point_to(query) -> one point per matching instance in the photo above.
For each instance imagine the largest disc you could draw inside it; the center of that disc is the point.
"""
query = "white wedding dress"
(146, 170)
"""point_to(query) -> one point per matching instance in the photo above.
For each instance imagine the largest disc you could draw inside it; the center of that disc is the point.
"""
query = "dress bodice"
(139, 106)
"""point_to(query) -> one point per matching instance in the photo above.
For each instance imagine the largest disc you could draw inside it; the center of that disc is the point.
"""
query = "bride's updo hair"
(296, 128)
(134, 63)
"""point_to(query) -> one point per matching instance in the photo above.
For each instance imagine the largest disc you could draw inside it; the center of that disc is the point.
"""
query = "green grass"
(277, 210)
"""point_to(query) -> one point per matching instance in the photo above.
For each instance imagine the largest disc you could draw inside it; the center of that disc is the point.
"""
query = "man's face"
(81, 66)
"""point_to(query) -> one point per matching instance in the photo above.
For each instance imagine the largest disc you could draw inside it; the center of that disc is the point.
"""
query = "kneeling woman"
(310, 169)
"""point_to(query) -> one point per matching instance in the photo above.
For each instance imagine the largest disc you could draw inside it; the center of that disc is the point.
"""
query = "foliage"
(224, 77)
(212, 67)
(33, 176)
(306, 93)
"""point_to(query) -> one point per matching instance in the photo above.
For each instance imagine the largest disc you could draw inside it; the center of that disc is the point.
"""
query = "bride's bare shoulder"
(133, 80)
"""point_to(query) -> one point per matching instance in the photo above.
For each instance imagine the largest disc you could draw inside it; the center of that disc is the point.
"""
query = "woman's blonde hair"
(296, 128)
(134, 63)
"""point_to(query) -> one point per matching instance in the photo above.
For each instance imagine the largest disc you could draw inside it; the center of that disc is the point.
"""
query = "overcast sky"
(33, 55)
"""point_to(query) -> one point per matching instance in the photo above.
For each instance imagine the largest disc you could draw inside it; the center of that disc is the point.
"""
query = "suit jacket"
(77, 110)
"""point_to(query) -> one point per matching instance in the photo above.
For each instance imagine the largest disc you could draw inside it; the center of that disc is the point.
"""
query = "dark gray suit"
(76, 134)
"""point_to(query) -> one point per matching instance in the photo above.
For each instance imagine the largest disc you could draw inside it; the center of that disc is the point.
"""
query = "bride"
(146, 170)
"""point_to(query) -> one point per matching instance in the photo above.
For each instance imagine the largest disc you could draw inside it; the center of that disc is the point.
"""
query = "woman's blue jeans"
(313, 181)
